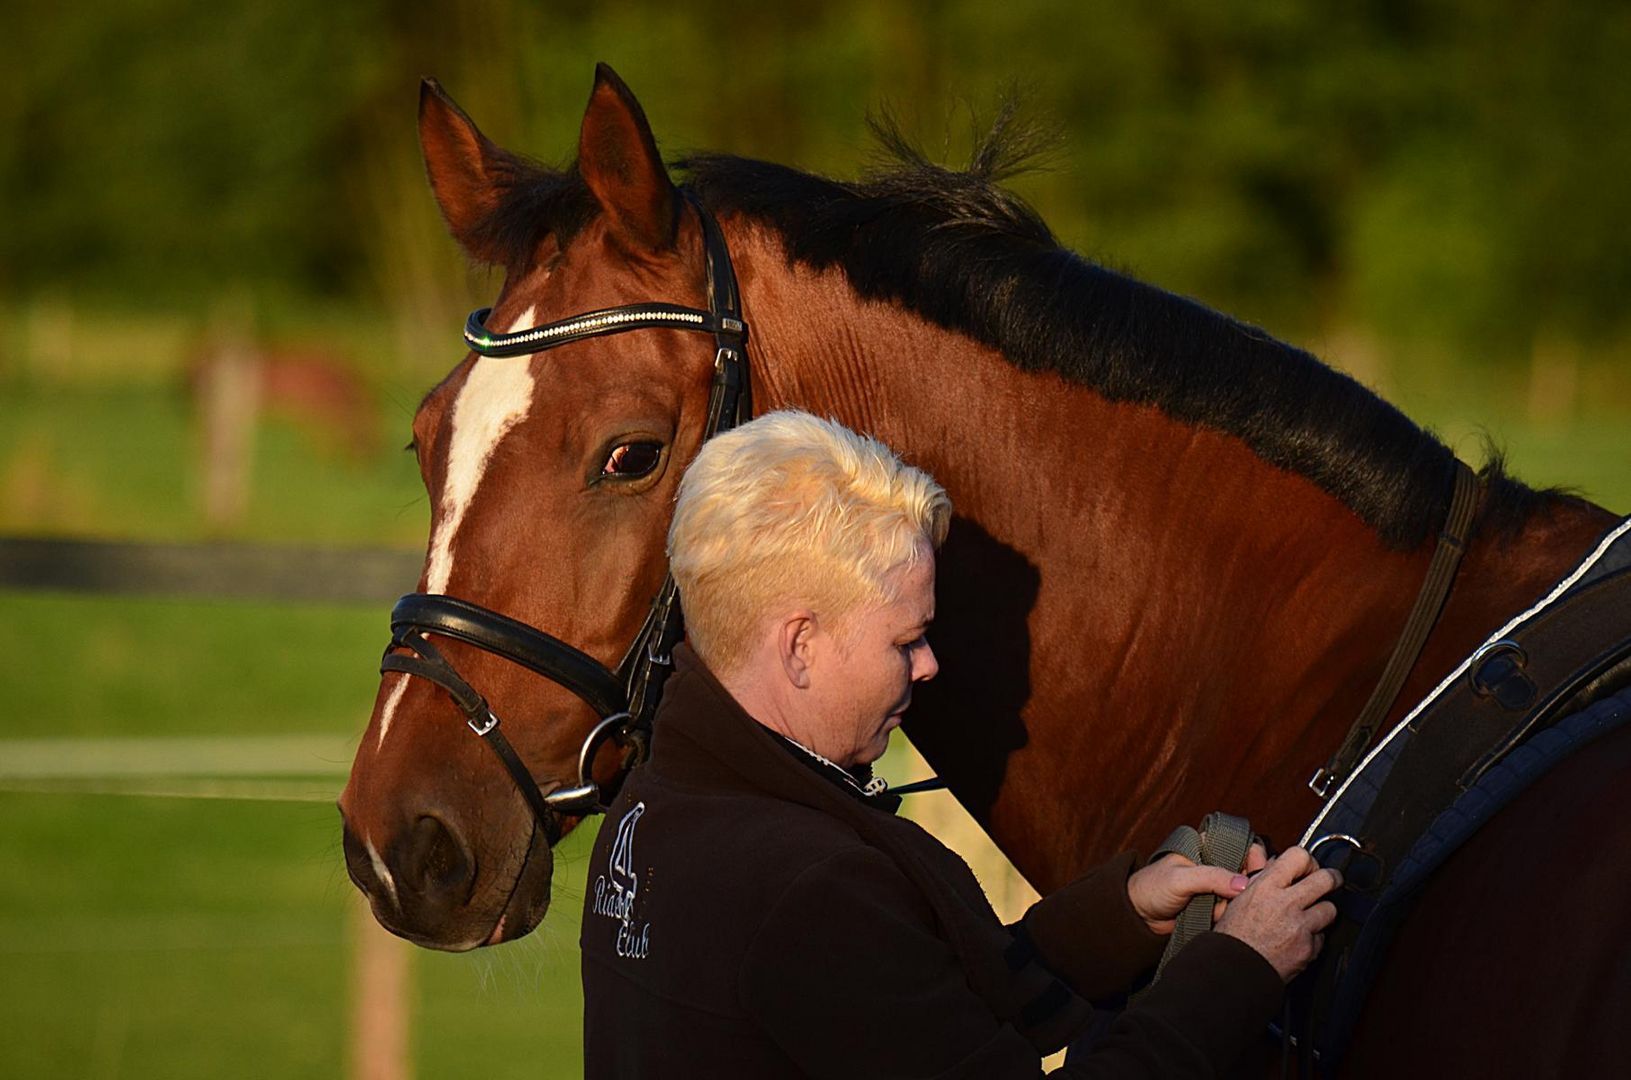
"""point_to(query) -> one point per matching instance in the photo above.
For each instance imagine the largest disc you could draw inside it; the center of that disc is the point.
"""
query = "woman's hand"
(1162, 889)
(1283, 914)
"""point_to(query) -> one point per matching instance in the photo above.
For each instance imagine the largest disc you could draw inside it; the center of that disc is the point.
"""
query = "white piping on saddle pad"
(1558, 590)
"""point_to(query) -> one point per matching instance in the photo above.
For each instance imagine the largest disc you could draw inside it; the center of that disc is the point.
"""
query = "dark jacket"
(747, 916)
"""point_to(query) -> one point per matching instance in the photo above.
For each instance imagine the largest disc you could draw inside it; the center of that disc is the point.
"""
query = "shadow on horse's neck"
(1140, 619)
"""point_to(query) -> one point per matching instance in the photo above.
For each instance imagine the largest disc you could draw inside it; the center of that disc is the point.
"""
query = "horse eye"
(632, 459)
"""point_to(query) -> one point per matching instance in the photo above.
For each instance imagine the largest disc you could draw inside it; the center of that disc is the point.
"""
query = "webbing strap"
(1223, 840)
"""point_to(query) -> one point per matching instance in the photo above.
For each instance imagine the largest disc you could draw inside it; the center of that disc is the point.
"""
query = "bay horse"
(1182, 552)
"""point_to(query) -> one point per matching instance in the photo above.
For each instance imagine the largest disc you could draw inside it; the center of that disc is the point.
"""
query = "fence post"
(380, 1004)
(228, 397)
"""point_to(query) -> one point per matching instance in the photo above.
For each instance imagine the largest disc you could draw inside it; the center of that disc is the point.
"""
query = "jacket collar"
(858, 782)
(702, 735)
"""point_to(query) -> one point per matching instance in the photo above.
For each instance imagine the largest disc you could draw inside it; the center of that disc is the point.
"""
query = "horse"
(1182, 551)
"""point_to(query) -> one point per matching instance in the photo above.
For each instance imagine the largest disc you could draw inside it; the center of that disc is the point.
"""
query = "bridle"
(624, 699)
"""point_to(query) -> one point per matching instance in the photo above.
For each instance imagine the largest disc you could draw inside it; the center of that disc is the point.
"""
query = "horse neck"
(1140, 620)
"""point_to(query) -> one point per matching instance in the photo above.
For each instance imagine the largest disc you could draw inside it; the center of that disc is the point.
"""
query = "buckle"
(483, 726)
(1320, 783)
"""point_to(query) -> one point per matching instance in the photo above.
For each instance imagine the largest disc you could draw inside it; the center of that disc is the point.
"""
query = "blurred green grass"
(1582, 444)
(122, 462)
(88, 666)
(181, 939)
(148, 937)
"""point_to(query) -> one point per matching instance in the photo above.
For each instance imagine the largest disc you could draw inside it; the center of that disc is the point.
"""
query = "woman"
(756, 909)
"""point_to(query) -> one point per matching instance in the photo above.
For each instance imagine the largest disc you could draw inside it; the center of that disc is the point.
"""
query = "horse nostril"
(440, 864)
(357, 863)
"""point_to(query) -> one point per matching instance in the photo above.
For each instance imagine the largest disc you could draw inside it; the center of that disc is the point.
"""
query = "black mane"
(959, 250)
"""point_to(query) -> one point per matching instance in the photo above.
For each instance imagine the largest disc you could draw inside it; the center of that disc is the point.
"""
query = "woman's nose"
(924, 664)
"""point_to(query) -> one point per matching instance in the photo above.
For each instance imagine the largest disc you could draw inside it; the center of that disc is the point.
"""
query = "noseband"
(624, 699)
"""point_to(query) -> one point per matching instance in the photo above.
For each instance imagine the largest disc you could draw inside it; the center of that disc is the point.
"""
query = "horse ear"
(464, 168)
(618, 159)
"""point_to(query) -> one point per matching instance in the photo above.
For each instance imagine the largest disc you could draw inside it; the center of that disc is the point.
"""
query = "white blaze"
(496, 396)
(392, 702)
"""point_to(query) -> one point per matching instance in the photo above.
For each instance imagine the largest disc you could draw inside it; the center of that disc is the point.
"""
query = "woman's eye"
(632, 459)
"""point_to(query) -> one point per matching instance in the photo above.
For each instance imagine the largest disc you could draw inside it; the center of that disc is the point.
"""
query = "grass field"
(179, 937)
(169, 937)
(121, 463)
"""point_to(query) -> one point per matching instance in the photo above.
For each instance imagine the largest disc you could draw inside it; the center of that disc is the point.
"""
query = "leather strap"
(533, 649)
(614, 320)
(1452, 544)
(427, 662)
(1362, 948)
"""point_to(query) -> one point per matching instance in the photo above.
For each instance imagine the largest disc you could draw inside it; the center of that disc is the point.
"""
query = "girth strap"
(1223, 840)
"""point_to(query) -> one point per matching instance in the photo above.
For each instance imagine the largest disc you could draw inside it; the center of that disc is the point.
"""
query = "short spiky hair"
(791, 508)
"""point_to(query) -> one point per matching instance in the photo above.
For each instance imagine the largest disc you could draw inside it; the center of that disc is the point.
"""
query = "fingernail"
(1239, 882)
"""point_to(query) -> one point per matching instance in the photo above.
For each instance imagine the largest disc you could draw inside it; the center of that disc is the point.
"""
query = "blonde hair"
(791, 508)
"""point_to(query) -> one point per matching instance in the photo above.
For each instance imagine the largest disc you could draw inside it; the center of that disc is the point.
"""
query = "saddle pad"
(1350, 806)
(1382, 917)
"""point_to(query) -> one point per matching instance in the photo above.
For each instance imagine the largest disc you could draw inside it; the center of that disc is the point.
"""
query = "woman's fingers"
(1317, 884)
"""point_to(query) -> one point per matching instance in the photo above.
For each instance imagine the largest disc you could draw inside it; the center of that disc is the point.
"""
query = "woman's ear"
(797, 642)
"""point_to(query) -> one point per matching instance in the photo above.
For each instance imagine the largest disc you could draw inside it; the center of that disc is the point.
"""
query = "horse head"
(551, 476)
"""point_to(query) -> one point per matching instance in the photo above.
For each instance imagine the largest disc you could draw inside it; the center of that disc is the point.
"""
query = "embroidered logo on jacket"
(616, 889)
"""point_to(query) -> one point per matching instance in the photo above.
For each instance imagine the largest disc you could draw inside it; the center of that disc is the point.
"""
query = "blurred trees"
(1443, 170)
(157, 149)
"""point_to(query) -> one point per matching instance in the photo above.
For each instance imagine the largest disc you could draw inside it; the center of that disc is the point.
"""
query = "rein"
(625, 699)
